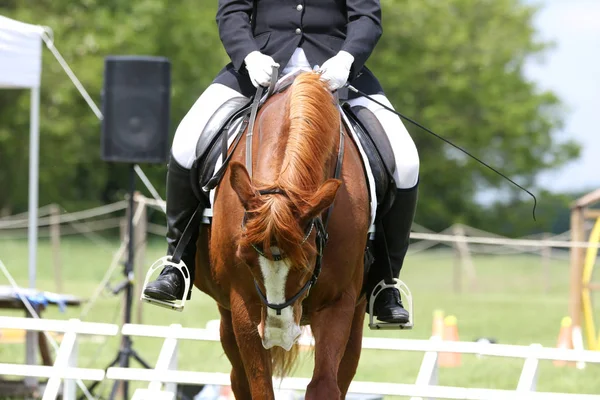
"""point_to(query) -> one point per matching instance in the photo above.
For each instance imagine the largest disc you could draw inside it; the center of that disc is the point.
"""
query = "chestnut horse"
(264, 242)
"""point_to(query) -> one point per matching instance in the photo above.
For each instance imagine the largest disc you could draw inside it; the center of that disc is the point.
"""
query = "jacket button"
(299, 7)
(298, 31)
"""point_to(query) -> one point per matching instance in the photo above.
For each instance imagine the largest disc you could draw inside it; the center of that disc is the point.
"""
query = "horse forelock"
(274, 222)
(311, 128)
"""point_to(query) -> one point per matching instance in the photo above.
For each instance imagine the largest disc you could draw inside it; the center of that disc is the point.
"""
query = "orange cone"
(437, 328)
(565, 340)
(451, 335)
(12, 335)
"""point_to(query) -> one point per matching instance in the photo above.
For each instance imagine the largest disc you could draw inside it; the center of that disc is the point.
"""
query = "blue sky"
(572, 70)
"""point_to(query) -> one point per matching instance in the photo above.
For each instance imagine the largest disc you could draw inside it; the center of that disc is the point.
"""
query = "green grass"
(509, 303)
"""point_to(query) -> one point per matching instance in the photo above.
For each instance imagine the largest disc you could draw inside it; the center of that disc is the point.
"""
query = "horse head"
(279, 244)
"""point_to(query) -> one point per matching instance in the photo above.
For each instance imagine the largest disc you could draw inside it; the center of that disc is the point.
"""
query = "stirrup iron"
(162, 262)
(405, 293)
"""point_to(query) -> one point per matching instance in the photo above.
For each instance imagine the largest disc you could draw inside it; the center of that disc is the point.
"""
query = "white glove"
(260, 68)
(336, 70)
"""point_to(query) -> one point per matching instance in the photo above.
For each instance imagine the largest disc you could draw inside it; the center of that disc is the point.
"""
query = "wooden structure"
(579, 305)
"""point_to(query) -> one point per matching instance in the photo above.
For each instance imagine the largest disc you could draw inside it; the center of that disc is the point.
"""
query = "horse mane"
(312, 125)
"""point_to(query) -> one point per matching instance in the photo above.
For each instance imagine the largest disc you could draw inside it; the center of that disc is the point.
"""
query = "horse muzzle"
(284, 337)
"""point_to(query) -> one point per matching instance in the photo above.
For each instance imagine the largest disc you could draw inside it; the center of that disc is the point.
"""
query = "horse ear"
(240, 182)
(321, 199)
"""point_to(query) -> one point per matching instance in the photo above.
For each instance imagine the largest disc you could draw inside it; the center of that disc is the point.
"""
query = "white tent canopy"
(20, 54)
(21, 67)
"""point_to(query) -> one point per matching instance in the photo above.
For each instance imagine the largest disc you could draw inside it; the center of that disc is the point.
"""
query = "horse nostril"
(276, 323)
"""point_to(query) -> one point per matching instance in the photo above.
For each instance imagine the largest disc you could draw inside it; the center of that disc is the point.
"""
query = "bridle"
(321, 240)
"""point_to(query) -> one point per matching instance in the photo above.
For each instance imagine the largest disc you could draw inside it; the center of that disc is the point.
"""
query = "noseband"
(321, 241)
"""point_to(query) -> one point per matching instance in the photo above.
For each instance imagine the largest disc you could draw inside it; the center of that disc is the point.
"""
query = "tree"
(456, 66)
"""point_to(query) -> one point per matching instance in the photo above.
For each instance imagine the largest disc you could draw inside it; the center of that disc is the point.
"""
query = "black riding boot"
(181, 204)
(396, 223)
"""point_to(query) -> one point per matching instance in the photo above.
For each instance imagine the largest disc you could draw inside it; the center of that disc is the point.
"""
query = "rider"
(337, 36)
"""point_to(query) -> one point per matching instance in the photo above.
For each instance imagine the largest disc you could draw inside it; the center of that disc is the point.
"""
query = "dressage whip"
(355, 90)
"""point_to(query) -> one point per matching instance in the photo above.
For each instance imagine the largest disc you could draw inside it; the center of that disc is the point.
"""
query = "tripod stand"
(126, 349)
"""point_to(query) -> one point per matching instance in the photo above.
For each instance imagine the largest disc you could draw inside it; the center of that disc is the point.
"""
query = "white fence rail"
(165, 377)
(425, 386)
(65, 365)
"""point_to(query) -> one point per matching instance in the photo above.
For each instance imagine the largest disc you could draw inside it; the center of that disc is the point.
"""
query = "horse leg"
(331, 328)
(351, 357)
(239, 381)
(255, 358)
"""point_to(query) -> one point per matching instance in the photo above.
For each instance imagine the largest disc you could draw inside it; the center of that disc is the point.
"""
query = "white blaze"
(279, 330)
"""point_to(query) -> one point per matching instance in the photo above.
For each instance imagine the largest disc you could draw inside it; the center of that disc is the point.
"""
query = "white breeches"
(192, 125)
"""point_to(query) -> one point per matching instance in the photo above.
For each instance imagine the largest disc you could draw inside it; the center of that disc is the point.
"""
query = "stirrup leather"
(162, 262)
(405, 293)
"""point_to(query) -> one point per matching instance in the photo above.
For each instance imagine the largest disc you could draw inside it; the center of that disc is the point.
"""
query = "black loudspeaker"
(136, 106)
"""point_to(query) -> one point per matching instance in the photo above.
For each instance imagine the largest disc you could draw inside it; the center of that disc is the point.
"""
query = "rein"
(316, 223)
(254, 111)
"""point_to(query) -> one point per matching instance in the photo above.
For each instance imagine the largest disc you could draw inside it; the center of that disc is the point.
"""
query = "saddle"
(378, 149)
(213, 142)
(224, 129)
